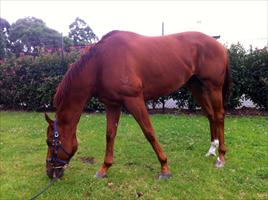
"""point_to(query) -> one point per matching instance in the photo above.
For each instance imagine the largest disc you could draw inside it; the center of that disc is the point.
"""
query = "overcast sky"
(244, 21)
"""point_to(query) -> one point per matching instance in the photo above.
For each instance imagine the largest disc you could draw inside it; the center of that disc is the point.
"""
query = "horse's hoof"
(219, 163)
(100, 175)
(164, 175)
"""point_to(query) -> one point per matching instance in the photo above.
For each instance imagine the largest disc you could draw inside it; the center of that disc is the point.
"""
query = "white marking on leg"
(213, 147)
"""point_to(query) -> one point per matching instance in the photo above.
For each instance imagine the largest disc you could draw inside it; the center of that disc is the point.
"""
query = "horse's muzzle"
(55, 172)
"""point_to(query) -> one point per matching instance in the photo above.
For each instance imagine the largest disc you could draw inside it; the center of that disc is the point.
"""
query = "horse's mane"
(74, 69)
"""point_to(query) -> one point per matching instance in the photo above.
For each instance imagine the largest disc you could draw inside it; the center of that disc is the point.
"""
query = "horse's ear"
(49, 121)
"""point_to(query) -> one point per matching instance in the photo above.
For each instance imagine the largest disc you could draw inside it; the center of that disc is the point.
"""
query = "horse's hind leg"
(201, 95)
(112, 115)
(136, 106)
(212, 104)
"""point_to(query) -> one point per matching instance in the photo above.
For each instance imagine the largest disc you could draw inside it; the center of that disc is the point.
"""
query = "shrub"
(256, 87)
(237, 62)
(29, 83)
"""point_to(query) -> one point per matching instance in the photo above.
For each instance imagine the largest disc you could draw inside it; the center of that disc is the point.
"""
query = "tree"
(4, 42)
(29, 35)
(68, 42)
(81, 33)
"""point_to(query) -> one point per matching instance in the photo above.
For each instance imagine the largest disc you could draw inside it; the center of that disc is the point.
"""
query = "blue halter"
(56, 145)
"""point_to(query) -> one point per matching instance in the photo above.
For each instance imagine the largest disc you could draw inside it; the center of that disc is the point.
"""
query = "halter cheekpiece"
(56, 145)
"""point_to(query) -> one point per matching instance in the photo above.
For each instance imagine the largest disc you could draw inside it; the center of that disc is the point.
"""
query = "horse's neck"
(68, 117)
(67, 120)
(80, 90)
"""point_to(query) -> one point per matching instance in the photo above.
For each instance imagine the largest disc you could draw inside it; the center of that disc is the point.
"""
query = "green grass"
(184, 138)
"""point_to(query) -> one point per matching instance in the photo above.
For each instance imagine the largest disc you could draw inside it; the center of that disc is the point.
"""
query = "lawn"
(185, 139)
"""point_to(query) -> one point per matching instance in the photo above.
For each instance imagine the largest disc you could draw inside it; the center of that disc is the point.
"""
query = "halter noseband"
(56, 145)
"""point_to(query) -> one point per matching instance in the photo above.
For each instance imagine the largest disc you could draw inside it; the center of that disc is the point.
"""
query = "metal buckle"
(56, 134)
(61, 166)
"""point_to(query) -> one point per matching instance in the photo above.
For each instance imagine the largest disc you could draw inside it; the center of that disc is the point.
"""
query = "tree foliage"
(4, 42)
(29, 35)
(81, 33)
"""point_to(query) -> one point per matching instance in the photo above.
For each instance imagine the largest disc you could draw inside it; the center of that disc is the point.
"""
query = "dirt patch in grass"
(88, 160)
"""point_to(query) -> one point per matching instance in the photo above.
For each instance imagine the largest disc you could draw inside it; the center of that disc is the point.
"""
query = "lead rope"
(45, 189)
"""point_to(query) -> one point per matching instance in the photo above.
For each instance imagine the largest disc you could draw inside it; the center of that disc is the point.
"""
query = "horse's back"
(158, 65)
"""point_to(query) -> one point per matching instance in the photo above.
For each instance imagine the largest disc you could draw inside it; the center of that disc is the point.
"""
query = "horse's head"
(60, 149)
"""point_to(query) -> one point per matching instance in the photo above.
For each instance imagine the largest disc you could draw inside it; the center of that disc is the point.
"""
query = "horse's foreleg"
(112, 116)
(137, 108)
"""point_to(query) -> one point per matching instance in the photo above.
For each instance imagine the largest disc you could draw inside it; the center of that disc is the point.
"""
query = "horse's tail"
(227, 86)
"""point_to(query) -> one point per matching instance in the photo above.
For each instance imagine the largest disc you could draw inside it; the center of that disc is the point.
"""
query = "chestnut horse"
(125, 69)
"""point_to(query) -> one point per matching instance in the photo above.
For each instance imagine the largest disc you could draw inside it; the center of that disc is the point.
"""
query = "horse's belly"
(158, 91)
(164, 84)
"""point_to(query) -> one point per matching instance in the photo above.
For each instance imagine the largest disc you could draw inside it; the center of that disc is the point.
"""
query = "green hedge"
(250, 75)
(29, 83)
(257, 77)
